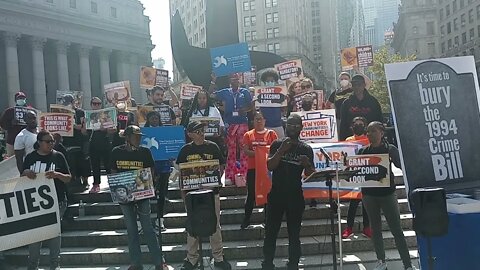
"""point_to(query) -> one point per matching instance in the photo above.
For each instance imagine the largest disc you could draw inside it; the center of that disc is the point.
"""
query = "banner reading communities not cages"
(435, 104)
(319, 126)
(200, 174)
(271, 96)
(61, 123)
(29, 211)
(130, 186)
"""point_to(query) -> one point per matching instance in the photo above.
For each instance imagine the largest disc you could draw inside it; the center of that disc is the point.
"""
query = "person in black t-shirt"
(54, 165)
(164, 107)
(288, 159)
(201, 149)
(132, 156)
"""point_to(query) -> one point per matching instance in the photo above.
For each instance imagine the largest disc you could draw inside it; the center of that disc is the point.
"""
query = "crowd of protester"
(243, 127)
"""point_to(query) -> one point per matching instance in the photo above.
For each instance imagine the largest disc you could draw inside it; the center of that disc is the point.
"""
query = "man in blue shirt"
(273, 116)
(236, 102)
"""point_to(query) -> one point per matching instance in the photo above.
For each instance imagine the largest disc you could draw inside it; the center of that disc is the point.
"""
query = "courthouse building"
(50, 45)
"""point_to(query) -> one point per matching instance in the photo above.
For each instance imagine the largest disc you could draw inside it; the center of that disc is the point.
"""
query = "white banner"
(29, 211)
(319, 126)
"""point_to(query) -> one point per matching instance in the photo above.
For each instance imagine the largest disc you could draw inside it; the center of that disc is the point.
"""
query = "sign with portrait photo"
(64, 97)
(61, 123)
(131, 186)
(317, 97)
(101, 119)
(118, 92)
(271, 96)
(151, 77)
(200, 174)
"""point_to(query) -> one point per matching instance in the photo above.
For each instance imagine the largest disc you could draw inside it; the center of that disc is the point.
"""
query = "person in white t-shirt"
(25, 140)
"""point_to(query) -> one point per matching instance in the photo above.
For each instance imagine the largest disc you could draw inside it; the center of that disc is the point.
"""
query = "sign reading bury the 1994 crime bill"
(435, 104)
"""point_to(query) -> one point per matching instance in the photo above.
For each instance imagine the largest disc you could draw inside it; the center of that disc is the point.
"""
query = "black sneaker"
(245, 224)
(292, 266)
(224, 265)
(268, 266)
(188, 266)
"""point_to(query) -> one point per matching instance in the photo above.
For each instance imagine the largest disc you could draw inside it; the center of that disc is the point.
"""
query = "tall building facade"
(50, 45)
(380, 15)
(350, 23)
(416, 31)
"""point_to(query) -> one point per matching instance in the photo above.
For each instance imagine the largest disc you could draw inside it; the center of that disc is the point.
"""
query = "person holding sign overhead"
(377, 200)
(237, 102)
(46, 160)
(132, 156)
(289, 159)
(9, 121)
(197, 150)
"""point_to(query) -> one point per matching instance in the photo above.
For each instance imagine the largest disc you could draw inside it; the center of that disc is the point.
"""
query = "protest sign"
(319, 126)
(64, 97)
(141, 113)
(161, 78)
(29, 211)
(373, 171)
(163, 142)
(249, 78)
(188, 91)
(271, 96)
(57, 108)
(165, 112)
(212, 127)
(230, 59)
(104, 118)
(348, 58)
(200, 174)
(19, 114)
(130, 186)
(151, 77)
(61, 123)
(318, 100)
(435, 104)
(263, 177)
(290, 69)
(118, 92)
(365, 56)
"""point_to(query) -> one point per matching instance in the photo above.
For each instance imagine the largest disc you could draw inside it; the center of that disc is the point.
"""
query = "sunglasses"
(48, 141)
(306, 86)
(96, 103)
(294, 126)
(198, 131)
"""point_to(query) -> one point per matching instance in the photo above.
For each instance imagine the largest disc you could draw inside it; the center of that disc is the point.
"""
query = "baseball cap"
(194, 125)
(358, 78)
(20, 94)
(131, 130)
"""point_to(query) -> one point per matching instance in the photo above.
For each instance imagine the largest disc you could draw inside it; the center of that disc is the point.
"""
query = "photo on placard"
(116, 93)
(147, 77)
(67, 97)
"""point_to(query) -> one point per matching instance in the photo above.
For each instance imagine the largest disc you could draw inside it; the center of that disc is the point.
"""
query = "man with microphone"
(288, 160)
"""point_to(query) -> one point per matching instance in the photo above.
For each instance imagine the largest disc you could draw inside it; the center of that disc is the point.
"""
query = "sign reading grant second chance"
(436, 107)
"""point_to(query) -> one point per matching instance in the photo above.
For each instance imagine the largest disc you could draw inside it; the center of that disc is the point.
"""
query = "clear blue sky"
(158, 11)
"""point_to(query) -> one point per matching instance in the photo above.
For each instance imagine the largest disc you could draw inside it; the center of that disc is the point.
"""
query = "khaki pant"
(10, 150)
(215, 240)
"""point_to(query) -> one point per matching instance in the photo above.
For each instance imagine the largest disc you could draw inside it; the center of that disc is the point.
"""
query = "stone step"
(233, 250)
(177, 205)
(228, 216)
(230, 232)
(357, 261)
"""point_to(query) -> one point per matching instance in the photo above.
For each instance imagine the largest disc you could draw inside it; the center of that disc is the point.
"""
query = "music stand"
(327, 176)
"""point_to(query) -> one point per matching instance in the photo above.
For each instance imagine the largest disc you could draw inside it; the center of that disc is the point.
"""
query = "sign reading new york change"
(436, 108)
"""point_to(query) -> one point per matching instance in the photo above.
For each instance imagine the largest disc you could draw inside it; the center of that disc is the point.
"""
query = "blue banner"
(163, 142)
(230, 59)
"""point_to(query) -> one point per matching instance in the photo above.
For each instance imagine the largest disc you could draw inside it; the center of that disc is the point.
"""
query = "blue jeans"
(130, 212)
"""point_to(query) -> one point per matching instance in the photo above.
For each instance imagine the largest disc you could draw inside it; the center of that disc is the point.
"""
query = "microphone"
(327, 157)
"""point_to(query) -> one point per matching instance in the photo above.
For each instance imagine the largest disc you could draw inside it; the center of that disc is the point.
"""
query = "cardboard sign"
(290, 69)
(435, 104)
(200, 174)
(56, 108)
(104, 118)
(163, 142)
(212, 125)
(151, 77)
(141, 114)
(29, 211)
(319, 126)
(61, 123)
(118, 92)
(230, 59)
(348, 58)
(365, 56)
(249, 78)
(19, 114)
(318, 100)
(165, 114)
(188, 91)
(271, 96)
(131, 186)
(63, 98)
(374, 171)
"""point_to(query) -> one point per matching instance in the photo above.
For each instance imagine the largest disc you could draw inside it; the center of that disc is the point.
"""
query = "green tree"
(379, 82)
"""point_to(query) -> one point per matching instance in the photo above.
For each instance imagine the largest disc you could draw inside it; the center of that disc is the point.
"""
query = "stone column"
(122, 66)
(38, 66)
(134, 77)
(85, 82)
(104, 55)
(11, 54)
(62, 65)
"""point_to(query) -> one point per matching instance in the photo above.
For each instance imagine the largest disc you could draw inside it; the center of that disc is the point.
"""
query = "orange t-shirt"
(254, 139)
(362, 139)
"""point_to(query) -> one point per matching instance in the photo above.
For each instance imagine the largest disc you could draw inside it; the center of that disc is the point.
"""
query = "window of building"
(270, 48)
(252, 4)
(275, 17)
(430, 28)
(271, 3)
(254, 48)
(462, 3)
(431, 48)
(248, 36)
(270, 33)
(443, 47)
(478, 12)
(442, 30)
(73, 3)
(247, 21)
(447, 10)
(457, 41)
(253, 19)
(268, 18)
(277, 47)
(472, 33)
(463, 19)
(274, 3)
(50, 1)
(470, 16)
(478, 30)
(441, 14)
(415, 30)
(472, 51)
(113, 12)
(276, 32)
(454, 5)
(455, 24)
(449, 44)
(93, 7)
(464, 38)
(254, 35)
(449, 27)
(246, 6)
